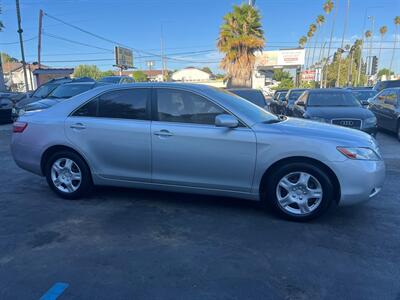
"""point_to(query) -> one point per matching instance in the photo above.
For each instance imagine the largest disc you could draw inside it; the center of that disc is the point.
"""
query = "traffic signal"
(374, 67)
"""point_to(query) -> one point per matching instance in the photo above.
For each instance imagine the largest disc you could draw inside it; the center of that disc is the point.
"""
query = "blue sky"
(190, 28)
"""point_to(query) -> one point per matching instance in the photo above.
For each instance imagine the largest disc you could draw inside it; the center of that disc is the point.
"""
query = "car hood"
(42, 104)
(300, 129)
(338, 112)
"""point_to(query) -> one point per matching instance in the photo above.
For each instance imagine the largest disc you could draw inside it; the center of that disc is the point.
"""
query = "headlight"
(370, 122)
(318, 119)
(21, 112)
(14, 111)
(360, 153)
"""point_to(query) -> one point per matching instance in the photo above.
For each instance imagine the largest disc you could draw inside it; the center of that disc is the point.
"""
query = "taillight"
(19, 127)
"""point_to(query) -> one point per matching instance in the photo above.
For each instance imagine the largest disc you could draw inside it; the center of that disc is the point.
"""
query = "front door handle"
(78, 126)
(163, 133)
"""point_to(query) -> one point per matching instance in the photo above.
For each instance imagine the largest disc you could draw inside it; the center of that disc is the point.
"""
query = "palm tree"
(320, 20)
(328, 7)
(302, 41)
(239, 38)
(382, 31)
(396, 24)
(310, 35)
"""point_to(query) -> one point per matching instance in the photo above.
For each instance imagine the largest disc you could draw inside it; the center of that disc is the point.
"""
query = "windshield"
(250, 110)
(282, 96)
(337, 98)
(294, 95)
(70, 90)
(364, 95)
(111, 79)
(44, 90)
(253, 96)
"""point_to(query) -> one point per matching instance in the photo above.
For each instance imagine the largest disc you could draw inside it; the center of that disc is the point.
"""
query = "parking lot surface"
(137, 244)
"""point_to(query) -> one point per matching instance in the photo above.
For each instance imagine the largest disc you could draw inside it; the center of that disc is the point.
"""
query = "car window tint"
(87, 110)
(124, 104)
(185, 107)
(332, 98)
(391, 97)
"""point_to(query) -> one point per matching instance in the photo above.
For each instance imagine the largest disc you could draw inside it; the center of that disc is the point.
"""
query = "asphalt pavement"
(137, 244)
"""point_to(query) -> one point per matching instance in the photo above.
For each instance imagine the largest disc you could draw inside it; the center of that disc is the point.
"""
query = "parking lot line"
(55, 291)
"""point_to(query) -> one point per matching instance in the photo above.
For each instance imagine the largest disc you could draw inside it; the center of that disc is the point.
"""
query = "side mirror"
(225, 120)
(300, 103)
(364, 102)
(381, 97)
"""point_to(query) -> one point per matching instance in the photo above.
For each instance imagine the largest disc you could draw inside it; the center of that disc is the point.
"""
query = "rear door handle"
(163, 132)
(79, 126)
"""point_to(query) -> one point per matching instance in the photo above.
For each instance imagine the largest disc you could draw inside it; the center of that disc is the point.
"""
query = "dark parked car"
(291, 98)
(43, 92)
(364, 95)
(6, 105)
(253, 95)
(60, 94)
(277, 104)
(386, 107)
(381, 85)
(335, 106)
(117, 79)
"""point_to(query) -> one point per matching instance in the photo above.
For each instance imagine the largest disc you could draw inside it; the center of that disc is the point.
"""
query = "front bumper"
(360, 180)
(371, 130)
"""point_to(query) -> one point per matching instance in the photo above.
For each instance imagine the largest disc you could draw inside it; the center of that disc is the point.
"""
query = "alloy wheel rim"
(299, 193)
(66, 175)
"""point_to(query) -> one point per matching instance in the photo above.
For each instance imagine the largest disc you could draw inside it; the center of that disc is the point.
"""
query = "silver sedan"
(196, 139)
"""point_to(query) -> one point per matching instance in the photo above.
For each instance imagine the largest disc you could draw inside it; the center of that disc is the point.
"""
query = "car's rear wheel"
(68, 175)
(299, 191)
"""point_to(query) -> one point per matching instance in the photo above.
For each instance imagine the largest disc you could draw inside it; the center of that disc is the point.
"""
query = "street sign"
(123, 58)
(308, 75)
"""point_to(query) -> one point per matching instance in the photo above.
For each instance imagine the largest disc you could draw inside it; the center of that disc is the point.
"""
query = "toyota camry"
(196, 139)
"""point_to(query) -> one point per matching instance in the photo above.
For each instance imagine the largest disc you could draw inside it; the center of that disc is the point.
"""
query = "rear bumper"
(359, 180)
(26, 156)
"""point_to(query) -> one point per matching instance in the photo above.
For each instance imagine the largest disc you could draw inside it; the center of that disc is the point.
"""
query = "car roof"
(80, 83)
(329, 90)
(243, 89)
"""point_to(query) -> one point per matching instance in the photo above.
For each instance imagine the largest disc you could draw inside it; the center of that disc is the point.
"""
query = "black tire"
(269, 196)
(86, 178)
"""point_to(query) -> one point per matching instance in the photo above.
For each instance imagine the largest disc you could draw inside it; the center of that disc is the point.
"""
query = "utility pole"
(39, 43)
(372, 18)
(330, 42)
(162, 53)
(2, 84)
(21, 42)
(40, 38)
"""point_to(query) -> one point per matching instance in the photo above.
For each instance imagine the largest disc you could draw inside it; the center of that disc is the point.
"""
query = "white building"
(191, 74)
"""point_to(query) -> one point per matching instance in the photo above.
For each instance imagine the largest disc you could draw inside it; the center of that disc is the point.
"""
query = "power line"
(14, 43)
(74, 42)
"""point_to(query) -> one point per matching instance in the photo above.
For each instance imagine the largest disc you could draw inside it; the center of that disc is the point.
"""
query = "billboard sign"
(123, 57)
(280, 58)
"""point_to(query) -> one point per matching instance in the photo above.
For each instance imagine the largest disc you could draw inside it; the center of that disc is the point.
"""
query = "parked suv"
(381, 85)
(335, 106)
(386, 107)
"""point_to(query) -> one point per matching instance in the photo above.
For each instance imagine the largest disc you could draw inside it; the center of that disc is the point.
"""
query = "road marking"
(55, 291)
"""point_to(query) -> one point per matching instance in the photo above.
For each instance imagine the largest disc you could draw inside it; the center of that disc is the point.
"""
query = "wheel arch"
(301, 159)
(54, 149)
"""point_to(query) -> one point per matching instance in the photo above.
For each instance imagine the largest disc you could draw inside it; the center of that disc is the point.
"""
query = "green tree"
(240, 36)
(286, 83)
(396, 33)
(106, 73)
(139, 76)
(6, 58)
(207, 70)
(385, 72)
(280, 75)
(91, 71)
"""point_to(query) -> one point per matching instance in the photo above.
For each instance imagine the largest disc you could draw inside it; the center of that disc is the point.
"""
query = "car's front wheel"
(299, 191)
(68, 175)
(398, 131)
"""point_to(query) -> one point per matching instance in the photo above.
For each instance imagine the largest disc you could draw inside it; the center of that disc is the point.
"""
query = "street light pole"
(21, 45)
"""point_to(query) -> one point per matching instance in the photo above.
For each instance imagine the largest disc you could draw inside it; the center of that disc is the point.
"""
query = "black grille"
(352, 123)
